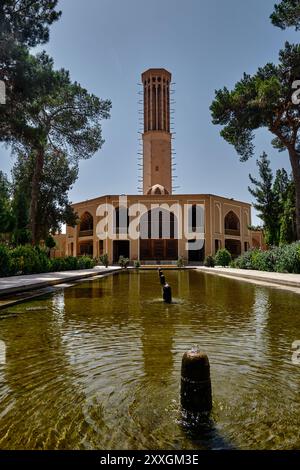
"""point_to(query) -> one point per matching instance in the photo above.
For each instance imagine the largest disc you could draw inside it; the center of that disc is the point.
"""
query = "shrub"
(223, 257)
(123, 262)
(33, 260)
(244, 261)
(58, 264)
(50, 242)
(104, 259)
(180, 262)
(288, 258)
(21, 237)
(71, 263)
(44, 263)
(85, 262)
(29, 260)
(263, 260)
(209, 262)
(137, 264)
(283, 259)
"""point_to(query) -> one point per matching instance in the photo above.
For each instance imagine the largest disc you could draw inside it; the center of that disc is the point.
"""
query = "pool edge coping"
(253, 278)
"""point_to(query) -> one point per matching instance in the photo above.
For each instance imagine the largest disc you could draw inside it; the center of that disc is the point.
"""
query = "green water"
(99, 366)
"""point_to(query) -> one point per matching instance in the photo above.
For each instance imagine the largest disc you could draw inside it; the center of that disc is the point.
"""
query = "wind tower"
(157, 138)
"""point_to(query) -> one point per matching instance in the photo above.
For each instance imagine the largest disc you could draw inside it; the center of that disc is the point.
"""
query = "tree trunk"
(295, 163)
(35, 192)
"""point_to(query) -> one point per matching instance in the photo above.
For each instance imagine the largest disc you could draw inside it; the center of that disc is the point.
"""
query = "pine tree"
(267, 203)
(264, 100)
(6, 217)
(286, 14)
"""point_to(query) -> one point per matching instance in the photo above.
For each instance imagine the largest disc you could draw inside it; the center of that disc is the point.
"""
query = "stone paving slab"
(15, 284)
(282, 279)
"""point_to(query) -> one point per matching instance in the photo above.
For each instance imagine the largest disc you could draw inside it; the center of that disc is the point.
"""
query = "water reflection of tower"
(158, 329)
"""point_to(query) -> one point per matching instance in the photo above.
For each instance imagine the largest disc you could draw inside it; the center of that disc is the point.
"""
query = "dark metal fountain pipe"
(196, 393)
(167, 293)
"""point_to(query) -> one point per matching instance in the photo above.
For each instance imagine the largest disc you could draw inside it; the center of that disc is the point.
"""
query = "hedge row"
(34, 260)
(283, 259)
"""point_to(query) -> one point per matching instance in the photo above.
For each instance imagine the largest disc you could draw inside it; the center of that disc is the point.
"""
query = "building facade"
(159, 226)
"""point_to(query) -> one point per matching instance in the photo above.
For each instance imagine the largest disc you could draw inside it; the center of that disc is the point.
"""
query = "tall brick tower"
(157, 160)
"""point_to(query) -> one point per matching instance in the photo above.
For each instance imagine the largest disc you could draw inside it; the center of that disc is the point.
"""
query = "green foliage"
(5, 262)
(6, 217)
(62, 120)
(286, 14)
(137, 264)
(33, 260)
(54, 207)
(209, 262)
(275, 203)
(256, 101)
(72, 263)
(266, 198)
(27, 22)
(244, 261)
(263, 260)
(28, 260)
(62, 264)
(104, 259)
(85, 262)
(124, 262)
(23, 24)
(50, 242)
(279, 259)
(180, 262)
(45, 113)
(288, 232)
(288, 259)
(255, 228)
(223, 257)
(263, 100)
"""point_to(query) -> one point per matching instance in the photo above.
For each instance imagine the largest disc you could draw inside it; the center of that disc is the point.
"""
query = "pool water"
(97, 365)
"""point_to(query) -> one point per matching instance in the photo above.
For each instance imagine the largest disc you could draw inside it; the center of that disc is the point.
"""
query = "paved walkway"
(279, 279)
(15, 284)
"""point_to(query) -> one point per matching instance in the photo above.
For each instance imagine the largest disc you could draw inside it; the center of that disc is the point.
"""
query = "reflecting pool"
(97, 365)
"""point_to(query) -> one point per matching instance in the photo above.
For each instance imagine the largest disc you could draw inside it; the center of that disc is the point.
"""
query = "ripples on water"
(99, 367)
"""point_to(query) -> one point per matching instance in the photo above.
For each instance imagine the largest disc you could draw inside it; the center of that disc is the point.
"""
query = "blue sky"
(205, 44)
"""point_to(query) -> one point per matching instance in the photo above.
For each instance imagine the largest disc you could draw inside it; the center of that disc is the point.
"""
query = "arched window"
(121, 220)
(196, 219)
(232, 224)
(86, 225)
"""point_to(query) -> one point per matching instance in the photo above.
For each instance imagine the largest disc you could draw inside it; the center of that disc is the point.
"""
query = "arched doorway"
(86, 225)
(232, 224)
(121, 225)
(196, 248)
(86, 230)
(159, 235)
